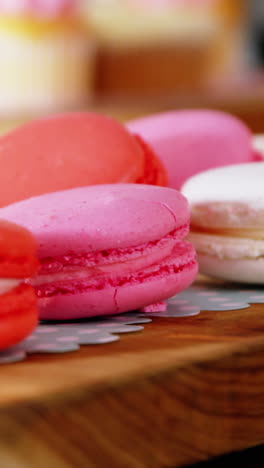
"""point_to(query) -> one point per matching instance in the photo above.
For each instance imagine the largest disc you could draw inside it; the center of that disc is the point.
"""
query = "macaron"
(73, 150)
(18, 302)
(107, 249)
(191, 141)
(227, 222)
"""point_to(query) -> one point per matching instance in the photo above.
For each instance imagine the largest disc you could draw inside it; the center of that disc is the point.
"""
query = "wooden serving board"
(182, 391)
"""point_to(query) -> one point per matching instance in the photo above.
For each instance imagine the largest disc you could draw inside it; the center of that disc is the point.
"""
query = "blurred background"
(130, 57)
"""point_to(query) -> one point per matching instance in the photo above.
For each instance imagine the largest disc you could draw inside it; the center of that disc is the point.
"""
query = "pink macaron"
(192, 141)
(107, 249)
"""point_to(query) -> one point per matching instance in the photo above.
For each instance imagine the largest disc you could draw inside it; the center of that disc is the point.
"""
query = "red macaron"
(73, 150)
(18, 305)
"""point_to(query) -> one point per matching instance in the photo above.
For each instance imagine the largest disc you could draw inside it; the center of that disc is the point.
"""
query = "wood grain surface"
(182, 391)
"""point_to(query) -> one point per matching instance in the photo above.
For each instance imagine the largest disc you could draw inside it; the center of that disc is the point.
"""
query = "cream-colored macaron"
(227, 227)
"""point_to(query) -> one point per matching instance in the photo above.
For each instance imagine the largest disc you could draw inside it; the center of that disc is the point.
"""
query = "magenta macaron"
(107, 249)
(191, 141)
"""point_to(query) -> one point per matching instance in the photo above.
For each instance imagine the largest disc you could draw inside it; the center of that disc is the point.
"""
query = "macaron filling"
(227, 247)
(114, 268)
(228, 230)
(72, 260)
(8, 284)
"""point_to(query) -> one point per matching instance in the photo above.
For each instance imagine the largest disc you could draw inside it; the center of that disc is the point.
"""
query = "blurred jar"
(46, 57)
(157, 46)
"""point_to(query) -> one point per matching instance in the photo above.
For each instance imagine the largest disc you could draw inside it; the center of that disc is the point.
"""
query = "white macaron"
(227, 227)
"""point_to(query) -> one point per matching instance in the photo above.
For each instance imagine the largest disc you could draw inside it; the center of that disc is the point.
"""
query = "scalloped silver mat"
(68, 337)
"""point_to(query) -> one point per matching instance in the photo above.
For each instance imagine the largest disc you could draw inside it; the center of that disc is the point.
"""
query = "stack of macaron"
(103, 249)
(111, 237)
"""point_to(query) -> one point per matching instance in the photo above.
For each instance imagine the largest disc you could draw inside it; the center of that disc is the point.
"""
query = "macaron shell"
(17, 251)
(116, 300)
(67, 151)
(18, 315)
(92, 219)
(248, 271)
(241, 183)
(191, 141)
(236, 259)
(154, 173)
